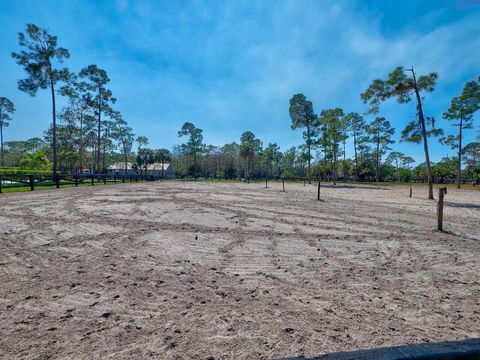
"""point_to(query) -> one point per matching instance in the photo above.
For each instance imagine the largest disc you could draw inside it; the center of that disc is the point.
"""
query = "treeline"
(82, 134)
(249, 157)
(88, 133)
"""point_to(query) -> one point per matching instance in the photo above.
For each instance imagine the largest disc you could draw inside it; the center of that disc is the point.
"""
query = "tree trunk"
(163, 168)
(194, 164)
(125, 160)
(308, 147)
(334, 173)
(356, 156)
(396, 167)
(424, 137)
(81, 143)
(99, 128)
(474, 157)
(377, 160)
(459, 167)
(104, 151)
(93, 164)
(54, 128)
(1, 141)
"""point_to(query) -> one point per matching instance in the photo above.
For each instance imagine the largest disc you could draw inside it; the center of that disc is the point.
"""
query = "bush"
(37, 160)
(24, 172)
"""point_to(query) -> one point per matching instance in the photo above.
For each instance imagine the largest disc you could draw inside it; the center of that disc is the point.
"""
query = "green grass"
(48, 185)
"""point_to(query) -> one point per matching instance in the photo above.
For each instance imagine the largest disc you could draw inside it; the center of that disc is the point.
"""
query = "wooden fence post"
(31, 182)
(441, 192)
(266, 183)
(283, 184)
(92, 179)
(318, 189)
(410, 189)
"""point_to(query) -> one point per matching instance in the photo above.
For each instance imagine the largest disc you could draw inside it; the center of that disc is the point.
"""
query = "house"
(154, 169)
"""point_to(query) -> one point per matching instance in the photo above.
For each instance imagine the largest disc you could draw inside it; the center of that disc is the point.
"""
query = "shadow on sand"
(463, 205)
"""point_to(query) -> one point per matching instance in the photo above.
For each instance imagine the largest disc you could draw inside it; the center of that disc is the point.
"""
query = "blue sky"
(232, 66)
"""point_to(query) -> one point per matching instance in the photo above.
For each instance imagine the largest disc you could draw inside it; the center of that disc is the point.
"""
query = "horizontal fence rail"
(31, 182)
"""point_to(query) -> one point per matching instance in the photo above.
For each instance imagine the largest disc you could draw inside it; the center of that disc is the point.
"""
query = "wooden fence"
(33, 182)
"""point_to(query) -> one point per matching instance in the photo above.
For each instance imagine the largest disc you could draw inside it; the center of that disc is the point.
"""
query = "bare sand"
(199, 270)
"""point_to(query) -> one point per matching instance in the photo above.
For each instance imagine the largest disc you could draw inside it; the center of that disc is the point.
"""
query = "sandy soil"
(184, 270)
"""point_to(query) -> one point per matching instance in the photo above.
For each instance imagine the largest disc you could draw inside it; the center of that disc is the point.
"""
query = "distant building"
(154, 169)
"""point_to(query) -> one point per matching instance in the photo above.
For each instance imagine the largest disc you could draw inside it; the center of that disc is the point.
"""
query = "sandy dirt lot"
(184, 270)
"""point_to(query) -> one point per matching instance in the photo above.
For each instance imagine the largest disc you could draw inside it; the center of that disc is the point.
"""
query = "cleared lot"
(185, 270)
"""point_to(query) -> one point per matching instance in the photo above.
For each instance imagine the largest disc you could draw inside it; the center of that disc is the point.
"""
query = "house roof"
(151, 167)
(120, 166)
(157, 166)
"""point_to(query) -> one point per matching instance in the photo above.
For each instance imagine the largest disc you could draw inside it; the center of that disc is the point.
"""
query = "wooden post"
(266, 183)
(283, 184)
(93, 181)
(31, 182)
(76, 179)
(441, 192)
(318, 188)
(410, 189)
(57, 181)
